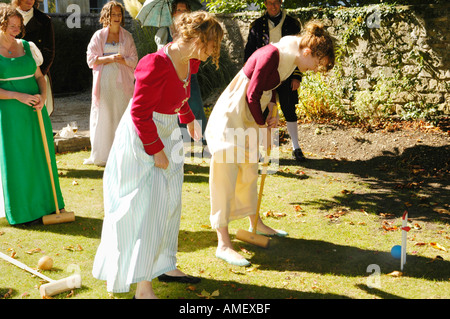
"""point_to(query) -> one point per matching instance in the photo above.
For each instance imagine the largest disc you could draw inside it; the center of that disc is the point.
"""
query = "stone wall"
(411, 42)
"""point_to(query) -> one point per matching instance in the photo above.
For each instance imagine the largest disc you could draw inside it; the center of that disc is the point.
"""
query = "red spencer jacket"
(159, 89)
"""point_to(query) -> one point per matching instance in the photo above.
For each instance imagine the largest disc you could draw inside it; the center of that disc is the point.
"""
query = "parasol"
(157, 13)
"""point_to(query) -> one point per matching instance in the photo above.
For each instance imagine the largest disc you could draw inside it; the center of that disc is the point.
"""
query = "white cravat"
(27, 15)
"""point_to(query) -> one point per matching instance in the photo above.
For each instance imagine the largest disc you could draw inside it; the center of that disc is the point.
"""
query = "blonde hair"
(315, 37)
(105, 14)
(6, 12)
(202, 25)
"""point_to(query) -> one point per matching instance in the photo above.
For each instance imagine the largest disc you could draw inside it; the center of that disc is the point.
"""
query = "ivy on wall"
(361, 89)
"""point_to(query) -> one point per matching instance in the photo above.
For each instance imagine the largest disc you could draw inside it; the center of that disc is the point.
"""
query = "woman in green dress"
(25, 179)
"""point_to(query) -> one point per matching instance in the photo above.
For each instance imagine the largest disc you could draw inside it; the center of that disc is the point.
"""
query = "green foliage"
(212, 79)
(318, 99)
(220, 6)
(339, 95)
(232, 6)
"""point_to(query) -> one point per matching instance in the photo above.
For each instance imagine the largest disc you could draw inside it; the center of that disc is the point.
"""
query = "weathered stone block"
(74, 144)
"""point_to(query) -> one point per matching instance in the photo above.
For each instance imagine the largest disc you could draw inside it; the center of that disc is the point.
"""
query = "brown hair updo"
(202, 25)
(315, 37)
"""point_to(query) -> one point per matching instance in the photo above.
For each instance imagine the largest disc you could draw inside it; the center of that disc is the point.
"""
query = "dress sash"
(18, 78)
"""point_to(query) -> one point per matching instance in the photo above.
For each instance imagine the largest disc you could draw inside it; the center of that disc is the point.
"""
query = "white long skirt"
(233, 139)
(105, 118)
(142, 207)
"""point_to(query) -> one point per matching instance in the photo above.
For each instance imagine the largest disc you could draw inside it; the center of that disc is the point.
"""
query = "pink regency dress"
(112, 89)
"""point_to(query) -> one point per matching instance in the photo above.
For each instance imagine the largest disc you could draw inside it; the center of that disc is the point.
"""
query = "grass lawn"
(342, 224)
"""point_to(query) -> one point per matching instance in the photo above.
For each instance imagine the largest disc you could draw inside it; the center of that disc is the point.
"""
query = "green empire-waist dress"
(25, 178)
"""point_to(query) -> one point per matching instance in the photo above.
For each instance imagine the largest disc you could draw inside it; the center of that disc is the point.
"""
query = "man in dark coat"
(39, 30)
(269, 28)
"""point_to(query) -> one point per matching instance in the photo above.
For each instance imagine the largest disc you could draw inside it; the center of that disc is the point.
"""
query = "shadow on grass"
(80, 173)
(238, 290)
(317, 256)
(419, 177)
(377, 292)
(82, 226)
(322, 257)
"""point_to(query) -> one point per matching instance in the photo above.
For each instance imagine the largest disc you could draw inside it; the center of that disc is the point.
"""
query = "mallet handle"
(264, 169)
(47, 156)
(24, 267)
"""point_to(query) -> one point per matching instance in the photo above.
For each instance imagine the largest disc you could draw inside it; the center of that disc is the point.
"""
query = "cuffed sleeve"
(150, 79)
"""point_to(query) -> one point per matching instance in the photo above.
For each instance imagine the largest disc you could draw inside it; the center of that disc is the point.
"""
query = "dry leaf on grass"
(396, 273)
(437, 246)
(271, 213)
(207, 295)
(73, 248)
(32, 251)
(8, 294)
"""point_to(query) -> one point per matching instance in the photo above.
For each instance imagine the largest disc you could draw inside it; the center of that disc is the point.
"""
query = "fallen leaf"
(208, 295)
(32, 251)
(73, 248)
(396, 273)
(440, 210)
(437, 246)
(269, 213)
(388, 226)
(420, 244)
(336, 214)
(8, 294)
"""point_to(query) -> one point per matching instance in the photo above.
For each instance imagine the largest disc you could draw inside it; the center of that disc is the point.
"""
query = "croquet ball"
(45, 263)
(396, 251)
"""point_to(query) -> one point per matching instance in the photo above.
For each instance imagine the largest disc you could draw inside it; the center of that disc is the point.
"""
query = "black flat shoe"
(183, 279)
(298, 155)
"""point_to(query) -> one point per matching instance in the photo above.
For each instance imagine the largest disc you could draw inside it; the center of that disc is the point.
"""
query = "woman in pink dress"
(112, 56)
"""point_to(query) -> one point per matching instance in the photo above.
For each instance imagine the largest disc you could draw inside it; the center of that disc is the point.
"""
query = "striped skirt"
(142, 207)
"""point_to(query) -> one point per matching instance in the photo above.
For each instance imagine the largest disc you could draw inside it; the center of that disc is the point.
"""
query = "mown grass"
(333, 213)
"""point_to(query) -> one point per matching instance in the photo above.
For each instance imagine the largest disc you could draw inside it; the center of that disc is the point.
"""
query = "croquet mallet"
(53, 287)
(58, 217)
(252, 237)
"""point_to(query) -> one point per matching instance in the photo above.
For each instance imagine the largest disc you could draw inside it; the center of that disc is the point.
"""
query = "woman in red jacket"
(233, 128)
(144, 172)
